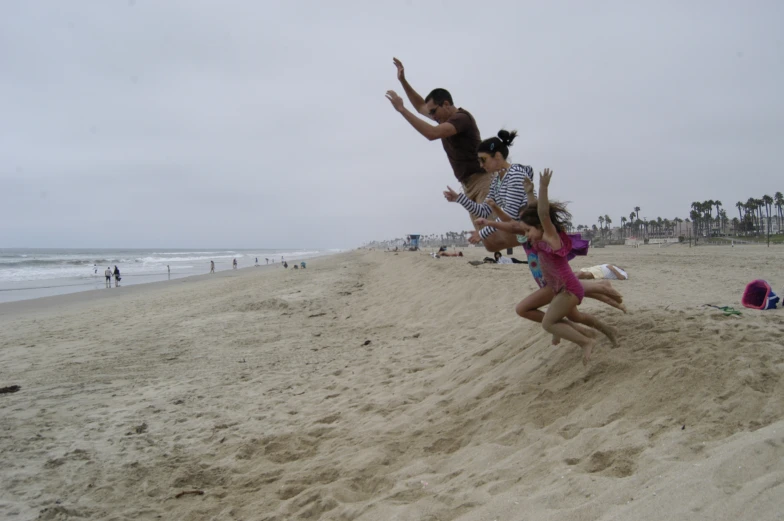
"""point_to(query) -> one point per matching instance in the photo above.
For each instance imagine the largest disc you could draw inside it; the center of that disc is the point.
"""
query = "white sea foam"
(72, 266)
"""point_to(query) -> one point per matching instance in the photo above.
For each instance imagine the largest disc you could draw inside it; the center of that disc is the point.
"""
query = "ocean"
(34, 273)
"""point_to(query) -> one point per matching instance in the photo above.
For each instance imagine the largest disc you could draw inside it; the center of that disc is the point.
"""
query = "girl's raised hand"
(482, 222)
(544, 177)
(528, 184)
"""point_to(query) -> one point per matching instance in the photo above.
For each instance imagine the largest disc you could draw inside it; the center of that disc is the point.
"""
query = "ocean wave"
(159, 260)
(192, 252)
(57, 262)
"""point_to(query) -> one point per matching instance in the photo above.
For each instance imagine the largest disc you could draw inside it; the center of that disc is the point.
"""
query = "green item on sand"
(726, 309)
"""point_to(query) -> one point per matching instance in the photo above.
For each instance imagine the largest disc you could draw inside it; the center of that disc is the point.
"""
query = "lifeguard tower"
(413, 242)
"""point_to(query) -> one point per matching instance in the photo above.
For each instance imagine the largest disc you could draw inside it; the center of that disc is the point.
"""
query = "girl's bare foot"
(587, 350)
(610, 333)
(556, 340)
(609, 290)
(590, 332)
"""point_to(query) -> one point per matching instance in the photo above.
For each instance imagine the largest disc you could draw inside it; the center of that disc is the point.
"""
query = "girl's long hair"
(559, 215)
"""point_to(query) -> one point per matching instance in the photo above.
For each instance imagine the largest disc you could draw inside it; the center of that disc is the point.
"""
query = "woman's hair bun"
(507, 137)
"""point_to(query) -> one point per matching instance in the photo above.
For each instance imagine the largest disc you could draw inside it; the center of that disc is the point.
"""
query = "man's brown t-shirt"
(461, 148)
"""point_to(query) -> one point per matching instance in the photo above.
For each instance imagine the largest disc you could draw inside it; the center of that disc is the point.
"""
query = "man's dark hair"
(439, 96)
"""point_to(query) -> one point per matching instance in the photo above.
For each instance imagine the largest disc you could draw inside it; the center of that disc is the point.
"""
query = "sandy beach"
(383, 386)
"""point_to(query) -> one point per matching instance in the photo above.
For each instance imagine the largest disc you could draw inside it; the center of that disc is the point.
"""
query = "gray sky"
(264, 124)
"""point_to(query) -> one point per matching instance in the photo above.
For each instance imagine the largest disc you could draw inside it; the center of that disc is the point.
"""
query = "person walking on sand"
(168, 269)
(458, 132)
(266, 259)
(116, 276)
(108, 275)
(212, 266)
(234, 264)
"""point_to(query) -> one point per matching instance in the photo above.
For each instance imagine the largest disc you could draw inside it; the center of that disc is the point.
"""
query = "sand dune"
(380, 386)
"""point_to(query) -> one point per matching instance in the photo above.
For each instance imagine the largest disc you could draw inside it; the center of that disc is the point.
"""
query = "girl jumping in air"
(543, 225)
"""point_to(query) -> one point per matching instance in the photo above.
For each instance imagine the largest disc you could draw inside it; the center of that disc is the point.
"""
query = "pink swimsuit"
(555, 267)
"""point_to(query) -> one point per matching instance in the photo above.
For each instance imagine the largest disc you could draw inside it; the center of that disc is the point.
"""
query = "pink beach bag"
(759, 295)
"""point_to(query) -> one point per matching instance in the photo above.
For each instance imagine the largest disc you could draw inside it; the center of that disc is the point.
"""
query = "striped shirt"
(508, 193)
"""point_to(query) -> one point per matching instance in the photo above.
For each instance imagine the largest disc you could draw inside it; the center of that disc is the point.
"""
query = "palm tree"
(608, 222)
(601, 225)
(696, 211)
(760, 205)
(631, 221)
(637, 211)
(695, 217)
(718, 206)
(623, 226)
(768, 202)
(735, 225)
(707, 209)
(779, 200)
(750, 207)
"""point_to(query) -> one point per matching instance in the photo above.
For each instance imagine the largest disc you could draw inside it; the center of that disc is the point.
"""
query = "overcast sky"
(264, 124)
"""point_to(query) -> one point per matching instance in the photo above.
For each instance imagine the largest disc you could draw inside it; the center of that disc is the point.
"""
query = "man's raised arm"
(431, 132)
(413, 96)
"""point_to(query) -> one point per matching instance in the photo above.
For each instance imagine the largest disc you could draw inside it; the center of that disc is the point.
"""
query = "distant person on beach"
(302, 264)
(457, 130)
(506, 190)
(257, 261)
(117, 278)
(234, 264)
(500, 259)
(266, 259)
(95, 267)
(212, 266)
(602, 271)
(108, 275)
(169, 270)
(285, 264)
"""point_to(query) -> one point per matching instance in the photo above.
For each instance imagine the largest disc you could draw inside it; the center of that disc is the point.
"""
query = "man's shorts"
(477, 188)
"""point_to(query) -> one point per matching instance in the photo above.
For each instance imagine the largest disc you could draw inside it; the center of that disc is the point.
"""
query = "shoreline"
(154, 280)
